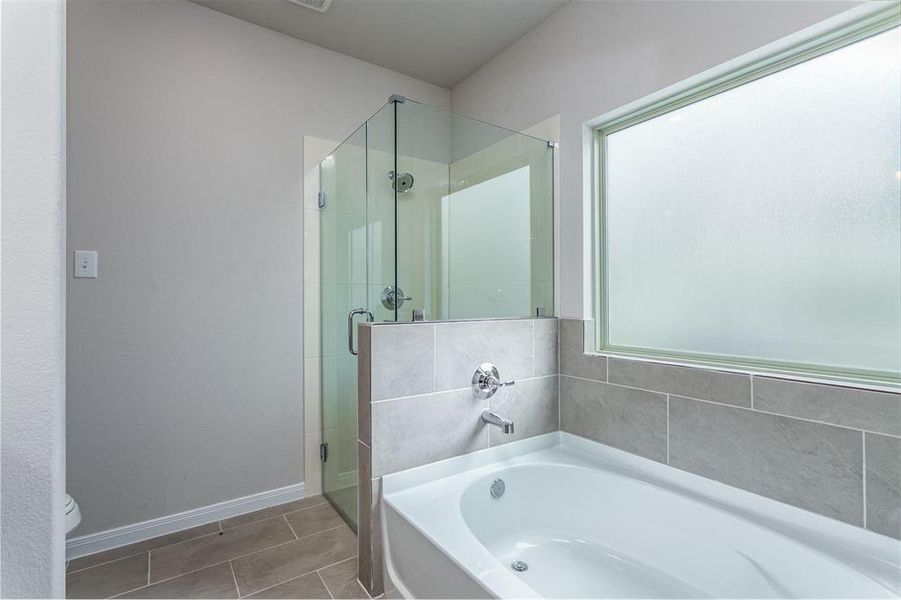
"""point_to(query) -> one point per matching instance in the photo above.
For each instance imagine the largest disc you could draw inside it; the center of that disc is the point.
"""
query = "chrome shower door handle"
(350, 326)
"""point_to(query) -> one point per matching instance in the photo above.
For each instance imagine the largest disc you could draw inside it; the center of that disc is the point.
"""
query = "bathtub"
(583, 520)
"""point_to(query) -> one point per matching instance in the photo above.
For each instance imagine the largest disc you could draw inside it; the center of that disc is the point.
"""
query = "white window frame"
(845, 29)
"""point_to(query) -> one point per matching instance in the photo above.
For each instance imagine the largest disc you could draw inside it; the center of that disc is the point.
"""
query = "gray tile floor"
(302, 549)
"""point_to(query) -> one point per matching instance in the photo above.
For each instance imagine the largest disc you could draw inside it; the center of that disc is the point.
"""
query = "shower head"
(402, 182)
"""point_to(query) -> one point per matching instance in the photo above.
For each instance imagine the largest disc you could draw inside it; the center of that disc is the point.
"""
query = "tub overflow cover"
(497, 488)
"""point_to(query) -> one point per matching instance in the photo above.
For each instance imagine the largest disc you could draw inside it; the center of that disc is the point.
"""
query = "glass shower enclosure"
(424, 215)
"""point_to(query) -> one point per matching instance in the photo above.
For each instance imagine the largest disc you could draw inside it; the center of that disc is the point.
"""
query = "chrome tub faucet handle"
(486, 381)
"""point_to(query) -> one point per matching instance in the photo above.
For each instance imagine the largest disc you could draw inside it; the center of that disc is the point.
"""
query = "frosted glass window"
(763, 224)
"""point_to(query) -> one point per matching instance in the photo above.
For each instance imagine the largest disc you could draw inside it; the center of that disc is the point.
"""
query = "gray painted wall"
(592, 57)
(185, 172)
(32, 440)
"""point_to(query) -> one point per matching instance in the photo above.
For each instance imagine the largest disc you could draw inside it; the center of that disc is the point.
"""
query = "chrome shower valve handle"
(393, 298)
(486, 381)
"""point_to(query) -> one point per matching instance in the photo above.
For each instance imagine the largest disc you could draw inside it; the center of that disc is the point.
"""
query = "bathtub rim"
(723, 495)
(867, 551)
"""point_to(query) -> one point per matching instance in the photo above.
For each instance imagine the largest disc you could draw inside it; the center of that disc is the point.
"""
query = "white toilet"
(73, 514)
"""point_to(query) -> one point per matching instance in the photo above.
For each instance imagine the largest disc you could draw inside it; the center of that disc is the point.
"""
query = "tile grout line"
(288, 523)
(141, 587)
(245, 555)
(740, 407)
(533, 348)
(460, 389)
(752, 391)
(309, 535)
(270, 517)
(786, 377)
(197, 537)
(559, 405)
(434, 359)
(330, 565)
(269, 587)
(324, 584)
(109, 561)
(667, 429)
(234, 578)
(864, 476)
(879, 388)
(106, 562)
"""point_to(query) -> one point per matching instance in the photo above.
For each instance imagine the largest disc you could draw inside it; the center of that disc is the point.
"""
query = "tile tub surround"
(830, 449)
(301, 549)
(418, 406)
(883, 477)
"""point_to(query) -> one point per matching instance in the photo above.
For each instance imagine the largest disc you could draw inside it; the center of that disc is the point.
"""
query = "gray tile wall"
(417, 405)
(831, 449)
(883, 468)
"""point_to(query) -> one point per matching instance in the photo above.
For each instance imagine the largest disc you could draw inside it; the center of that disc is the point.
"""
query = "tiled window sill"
(775, 374)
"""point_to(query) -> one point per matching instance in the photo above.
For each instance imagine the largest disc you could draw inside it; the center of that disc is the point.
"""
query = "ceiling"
(439, 41)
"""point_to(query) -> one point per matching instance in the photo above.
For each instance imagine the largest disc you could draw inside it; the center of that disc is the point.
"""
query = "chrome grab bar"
(350, 326)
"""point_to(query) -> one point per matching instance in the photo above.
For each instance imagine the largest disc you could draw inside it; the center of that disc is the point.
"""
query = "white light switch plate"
(86, 263)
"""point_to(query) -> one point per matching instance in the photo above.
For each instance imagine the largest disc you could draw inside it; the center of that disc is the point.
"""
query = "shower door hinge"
(323, 452)
(551, 144)
(321, 199)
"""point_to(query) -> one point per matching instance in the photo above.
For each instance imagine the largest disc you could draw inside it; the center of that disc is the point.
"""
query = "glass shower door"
(357, 246)
(343, 303)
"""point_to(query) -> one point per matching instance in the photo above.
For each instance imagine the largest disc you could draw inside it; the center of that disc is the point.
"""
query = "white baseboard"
(145, 530)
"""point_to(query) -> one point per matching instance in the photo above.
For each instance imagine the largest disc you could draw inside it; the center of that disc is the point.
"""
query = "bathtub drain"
(520, 566)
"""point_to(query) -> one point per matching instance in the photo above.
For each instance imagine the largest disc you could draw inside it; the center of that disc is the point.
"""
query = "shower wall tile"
(573, 360)
(798, 442)
(311, 246)
(312, 403)
(364, 383)
(545, 341)
(703, 384)
(409, 432)
(412, 422)
(883, 476)
(461, 347)
(312, 471)
(364, 519)
(861, 409)
(625, 418)
(377, 552)
(532, 405)
(311, 325)
(403, 360)
(814, 466)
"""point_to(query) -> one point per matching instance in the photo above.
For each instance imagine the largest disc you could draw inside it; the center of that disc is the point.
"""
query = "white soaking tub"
(590, 521)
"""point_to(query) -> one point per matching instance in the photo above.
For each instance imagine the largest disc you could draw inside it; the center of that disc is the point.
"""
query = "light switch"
(86, 263)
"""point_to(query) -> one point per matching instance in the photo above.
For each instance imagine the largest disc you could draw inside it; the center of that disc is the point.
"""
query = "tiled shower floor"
(302, 549)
